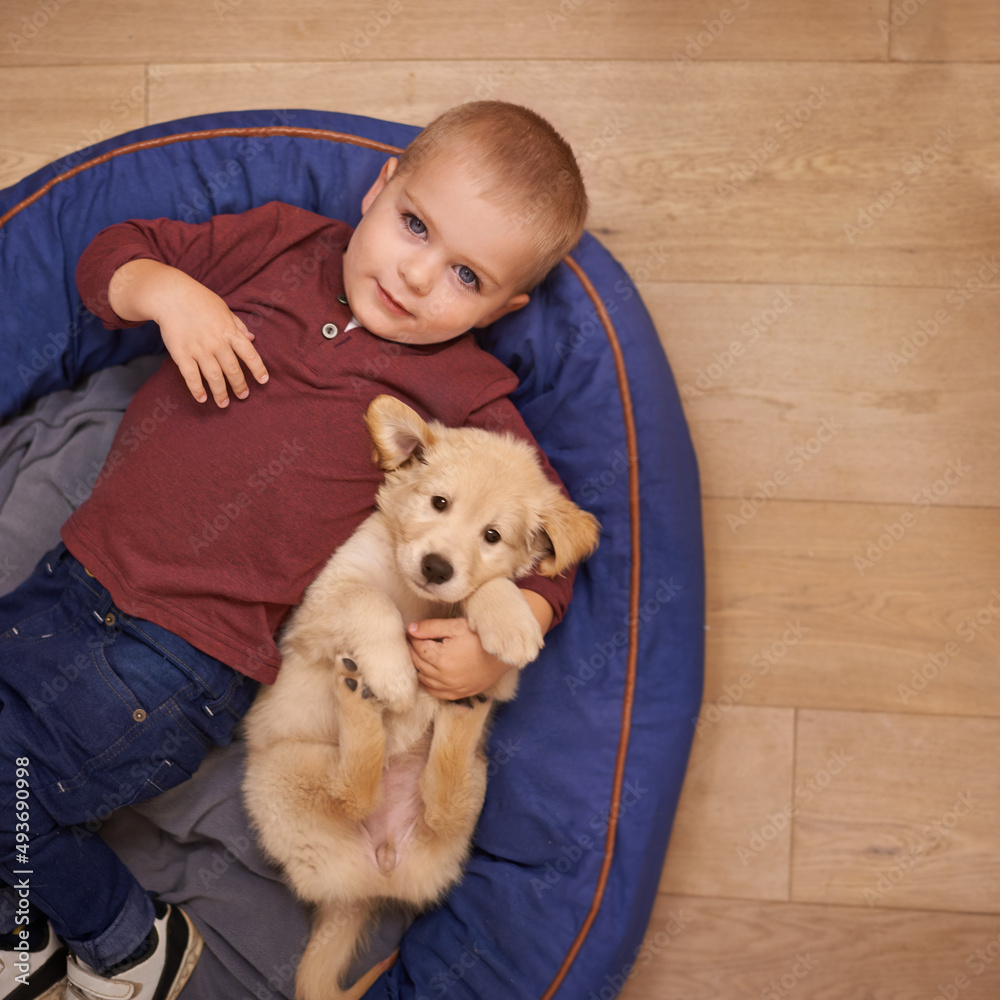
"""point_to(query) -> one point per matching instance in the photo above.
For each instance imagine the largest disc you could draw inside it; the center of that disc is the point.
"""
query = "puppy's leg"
(358, 780)
(498, 613)
(453, 782)
(362, 623)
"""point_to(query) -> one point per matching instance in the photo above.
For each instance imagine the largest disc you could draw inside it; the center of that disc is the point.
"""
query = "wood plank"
(49, 114)
(739, 774)
(795, 620)
(831, 393)
(237, 30)
(722, 166)
(957, 31)
(907, 818)
(700, 949)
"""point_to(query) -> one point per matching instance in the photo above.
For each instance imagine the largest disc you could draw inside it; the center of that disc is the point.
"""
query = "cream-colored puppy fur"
(360, 784)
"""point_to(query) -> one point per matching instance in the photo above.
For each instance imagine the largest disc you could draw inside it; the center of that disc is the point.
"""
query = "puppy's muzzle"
(436, 569)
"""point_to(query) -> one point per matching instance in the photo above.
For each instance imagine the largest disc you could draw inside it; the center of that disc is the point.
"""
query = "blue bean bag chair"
(587, 764)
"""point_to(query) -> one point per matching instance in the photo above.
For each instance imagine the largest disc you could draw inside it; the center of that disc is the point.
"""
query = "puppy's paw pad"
(354, 685)
(476, 701)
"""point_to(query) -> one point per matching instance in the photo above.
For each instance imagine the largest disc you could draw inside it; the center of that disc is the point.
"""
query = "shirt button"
(330, 331)
(342, 299)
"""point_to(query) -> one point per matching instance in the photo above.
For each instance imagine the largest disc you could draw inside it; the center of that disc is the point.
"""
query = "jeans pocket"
(154, 755)
(218, 696)
(47, 605)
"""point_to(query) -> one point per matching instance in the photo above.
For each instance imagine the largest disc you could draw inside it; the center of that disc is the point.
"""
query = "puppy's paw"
(388, 673)
(352, 686)
(504, 622)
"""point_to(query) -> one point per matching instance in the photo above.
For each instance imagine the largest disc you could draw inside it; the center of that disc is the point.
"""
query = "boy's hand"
(206, 340)
(450, 659)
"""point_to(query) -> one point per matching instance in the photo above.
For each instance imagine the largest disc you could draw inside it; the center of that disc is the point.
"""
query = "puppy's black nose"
(436, 569)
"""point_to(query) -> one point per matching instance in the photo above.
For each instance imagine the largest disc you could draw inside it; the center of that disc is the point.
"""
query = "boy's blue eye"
(467, 276)
(415, 225)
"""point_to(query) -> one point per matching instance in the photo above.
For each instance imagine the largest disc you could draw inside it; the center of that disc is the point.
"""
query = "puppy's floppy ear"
(397, 432)
(565, 535)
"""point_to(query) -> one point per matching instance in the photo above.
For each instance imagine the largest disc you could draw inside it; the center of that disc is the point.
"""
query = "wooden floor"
(809, 196)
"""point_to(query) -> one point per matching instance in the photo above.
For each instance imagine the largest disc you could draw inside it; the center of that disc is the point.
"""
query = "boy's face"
(430, 258)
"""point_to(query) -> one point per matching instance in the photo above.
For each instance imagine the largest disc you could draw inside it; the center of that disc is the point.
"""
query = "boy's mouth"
(389, 302)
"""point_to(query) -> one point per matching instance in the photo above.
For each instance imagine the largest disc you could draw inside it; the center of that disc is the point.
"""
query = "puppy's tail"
(338, 932)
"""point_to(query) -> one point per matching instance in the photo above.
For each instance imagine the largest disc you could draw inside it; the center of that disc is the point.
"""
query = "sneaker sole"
(189, 959)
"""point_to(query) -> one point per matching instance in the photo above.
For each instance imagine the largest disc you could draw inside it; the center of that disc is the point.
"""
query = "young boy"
(210, 519)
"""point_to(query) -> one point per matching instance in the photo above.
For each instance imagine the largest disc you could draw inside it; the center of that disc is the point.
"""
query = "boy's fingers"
(436, 628)
(230, 366)
(216, 381)
(247, 353)
(191, 374)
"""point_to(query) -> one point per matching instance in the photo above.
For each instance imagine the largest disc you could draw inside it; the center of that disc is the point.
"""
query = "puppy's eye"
(439, 503)
(492, 536)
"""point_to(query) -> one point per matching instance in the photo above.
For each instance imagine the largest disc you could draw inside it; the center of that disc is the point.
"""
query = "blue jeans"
(97, 710)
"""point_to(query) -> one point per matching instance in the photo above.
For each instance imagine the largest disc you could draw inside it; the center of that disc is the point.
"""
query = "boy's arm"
(208, 341)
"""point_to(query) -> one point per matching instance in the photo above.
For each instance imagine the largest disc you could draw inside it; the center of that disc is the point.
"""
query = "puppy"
(364, 787)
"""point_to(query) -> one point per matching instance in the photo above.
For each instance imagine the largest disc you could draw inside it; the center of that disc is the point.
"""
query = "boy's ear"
(511, 305)
(388, 169)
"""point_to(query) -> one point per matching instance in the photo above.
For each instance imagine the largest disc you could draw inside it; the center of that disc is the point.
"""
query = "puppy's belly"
(389, 829)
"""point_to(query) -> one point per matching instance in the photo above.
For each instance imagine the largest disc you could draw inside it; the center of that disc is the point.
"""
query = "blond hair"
(530, 167)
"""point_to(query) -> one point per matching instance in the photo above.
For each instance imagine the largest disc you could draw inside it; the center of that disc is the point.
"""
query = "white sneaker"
(161, 975)
(41, 977)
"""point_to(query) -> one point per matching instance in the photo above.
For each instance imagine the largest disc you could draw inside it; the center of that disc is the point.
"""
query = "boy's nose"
(417, 273)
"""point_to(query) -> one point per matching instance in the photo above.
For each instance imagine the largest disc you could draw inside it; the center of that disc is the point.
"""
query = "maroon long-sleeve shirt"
(212, 522)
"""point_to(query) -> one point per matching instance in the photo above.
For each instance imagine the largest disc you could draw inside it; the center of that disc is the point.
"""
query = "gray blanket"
(192, 845)
(49, 460)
